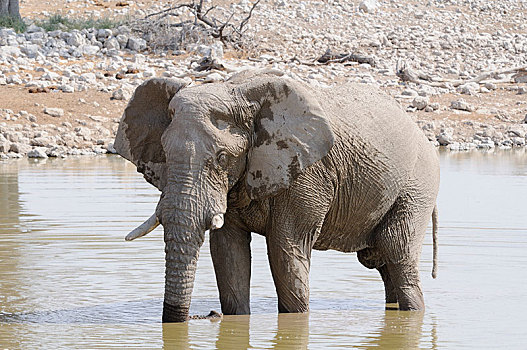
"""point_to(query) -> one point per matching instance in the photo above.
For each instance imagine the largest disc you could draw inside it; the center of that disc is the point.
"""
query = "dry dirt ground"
(497, 106)
(78, 106)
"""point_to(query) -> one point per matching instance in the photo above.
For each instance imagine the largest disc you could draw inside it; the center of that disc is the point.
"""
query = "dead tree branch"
(406, 73)
(198, 18)
(329, 57)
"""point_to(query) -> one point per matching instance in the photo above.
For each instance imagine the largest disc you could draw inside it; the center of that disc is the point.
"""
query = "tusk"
(217, 222)
(147, 226)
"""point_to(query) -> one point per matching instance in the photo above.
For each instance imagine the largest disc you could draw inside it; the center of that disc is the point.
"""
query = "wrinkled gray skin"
(341, 168)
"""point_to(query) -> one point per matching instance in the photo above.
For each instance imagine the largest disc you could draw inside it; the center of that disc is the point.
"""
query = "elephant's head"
(246, 139)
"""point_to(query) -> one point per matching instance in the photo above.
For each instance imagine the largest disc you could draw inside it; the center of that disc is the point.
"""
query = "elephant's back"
(376, 148)
(372, 124)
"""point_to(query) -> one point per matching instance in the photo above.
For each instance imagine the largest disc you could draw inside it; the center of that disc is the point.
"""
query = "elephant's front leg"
(231, 254)
(290, 262)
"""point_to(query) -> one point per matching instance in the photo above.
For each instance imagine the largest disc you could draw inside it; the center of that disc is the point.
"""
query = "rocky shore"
(458, 67)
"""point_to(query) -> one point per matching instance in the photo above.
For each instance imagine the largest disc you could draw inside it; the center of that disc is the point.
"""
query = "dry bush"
(182, 26)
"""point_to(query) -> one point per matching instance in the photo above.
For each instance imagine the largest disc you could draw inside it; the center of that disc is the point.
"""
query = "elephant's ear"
(144, 120)
(291, 132)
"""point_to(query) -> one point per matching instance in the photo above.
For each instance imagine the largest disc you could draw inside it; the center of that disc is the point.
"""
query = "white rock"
(5, 145)
(37, 153)
(369, 6)
(31, 51)
(89, 50)
(112, 43)
(7, 32)
(9, 51)
(520, 77)
(19, 147)
(136, 44)
(76, 39)
(14, 79)
(90, 78)
(434, 105)
(420, 102)
(409, 92)
(490, 86)
(122, 39)
(121, 94)
(461, 105)
(67, 88)
(33, 29)
(51, 76)
(103, 34)
(213, 77)
(110, 148)
(149, 72)
(54, 112)
(469, 88)
(446, 137)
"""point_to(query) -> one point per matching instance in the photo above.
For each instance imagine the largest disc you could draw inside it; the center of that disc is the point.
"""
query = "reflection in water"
(292, 332)
(175, 336)
(234, 333)
(396, 330)
(9, 224)
(400, 330)
(68, 279)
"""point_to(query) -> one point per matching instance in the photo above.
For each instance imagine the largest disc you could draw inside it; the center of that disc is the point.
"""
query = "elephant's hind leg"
(389, 289)
(399, 239)
(407, 285)
(370, 258)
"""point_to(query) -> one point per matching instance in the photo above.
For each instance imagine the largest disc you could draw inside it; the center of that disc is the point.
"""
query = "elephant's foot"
(174, 313)
(405, 279)
(411, 298)
(290, 307)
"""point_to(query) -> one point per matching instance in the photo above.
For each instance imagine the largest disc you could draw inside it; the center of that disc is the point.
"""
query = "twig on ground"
(406, 73)
(329, 57)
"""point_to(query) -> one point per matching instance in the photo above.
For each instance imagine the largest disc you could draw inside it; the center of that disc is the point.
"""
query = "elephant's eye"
(222, 159)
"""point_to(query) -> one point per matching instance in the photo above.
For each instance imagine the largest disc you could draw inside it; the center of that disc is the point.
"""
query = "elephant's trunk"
(181, 261)
(182, 213)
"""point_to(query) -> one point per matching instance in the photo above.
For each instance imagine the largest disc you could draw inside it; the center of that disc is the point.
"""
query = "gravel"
(442, 41)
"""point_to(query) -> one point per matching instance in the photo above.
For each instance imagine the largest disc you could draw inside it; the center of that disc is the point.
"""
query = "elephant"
(341, 168)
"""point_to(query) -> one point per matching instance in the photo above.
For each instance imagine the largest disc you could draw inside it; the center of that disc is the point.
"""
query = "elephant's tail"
(434, 238)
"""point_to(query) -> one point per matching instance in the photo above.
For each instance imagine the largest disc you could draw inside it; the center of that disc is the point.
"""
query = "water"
(69, 280)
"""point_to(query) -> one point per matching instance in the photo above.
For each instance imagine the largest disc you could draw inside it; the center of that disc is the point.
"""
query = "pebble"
(420, 102)
(37, 153)
(461, 105)
(428, 36)
(369, 6)
(54, 112)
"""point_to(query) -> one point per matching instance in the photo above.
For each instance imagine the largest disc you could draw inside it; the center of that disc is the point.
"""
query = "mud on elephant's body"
(342, 168)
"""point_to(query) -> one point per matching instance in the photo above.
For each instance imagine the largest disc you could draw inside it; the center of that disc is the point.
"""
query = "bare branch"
(170, 9)
(246, 19)
(196, 25)
(406, 73)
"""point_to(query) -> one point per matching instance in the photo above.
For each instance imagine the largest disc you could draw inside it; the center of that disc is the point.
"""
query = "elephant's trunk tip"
(149, 225)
